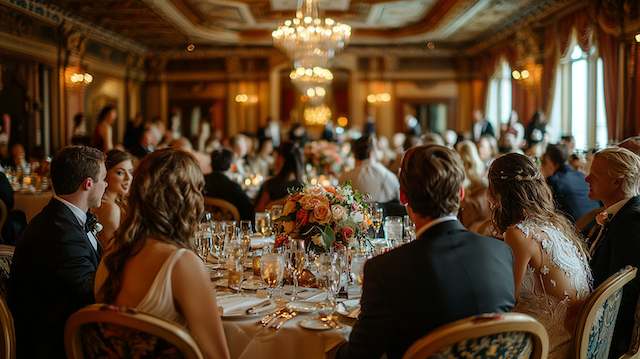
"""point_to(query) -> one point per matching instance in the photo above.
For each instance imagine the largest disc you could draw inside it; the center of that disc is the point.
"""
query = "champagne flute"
(272, 271)
(298, 261)
(263, 223)
(218, 233)
(376, 218)
(204, 238)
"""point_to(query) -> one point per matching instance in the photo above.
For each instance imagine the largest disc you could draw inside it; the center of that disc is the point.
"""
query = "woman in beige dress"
(151, 265)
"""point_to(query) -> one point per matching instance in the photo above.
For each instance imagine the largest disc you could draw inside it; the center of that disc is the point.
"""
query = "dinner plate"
(314, 324)
(349, 309)
(302, 307)
(253, 284)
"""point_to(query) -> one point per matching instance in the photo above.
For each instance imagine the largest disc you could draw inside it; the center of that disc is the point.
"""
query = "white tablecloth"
(31, 203)
(247, 339)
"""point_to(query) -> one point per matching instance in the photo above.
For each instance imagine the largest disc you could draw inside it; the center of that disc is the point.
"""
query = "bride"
(552, 275)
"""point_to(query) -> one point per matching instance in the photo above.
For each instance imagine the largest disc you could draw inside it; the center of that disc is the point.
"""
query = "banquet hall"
(319, 179)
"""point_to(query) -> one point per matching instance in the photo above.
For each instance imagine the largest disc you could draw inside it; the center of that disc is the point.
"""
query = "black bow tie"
(91, 222)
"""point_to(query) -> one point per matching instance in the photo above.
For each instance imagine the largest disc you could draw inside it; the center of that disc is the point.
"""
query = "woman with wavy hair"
(119, 166)
(151, 265)
(551, 269)
(474, 209)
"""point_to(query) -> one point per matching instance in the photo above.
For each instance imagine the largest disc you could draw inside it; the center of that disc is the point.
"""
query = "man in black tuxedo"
(55, 262)
(614, 179)
(218, 185)
(447, 274)
(570, 191)
(481, 126)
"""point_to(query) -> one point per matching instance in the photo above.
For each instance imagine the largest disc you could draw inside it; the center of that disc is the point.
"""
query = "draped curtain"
(632, 115)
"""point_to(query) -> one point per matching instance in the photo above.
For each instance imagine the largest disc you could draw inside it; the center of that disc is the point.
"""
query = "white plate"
(349, 309)
(314, 324)
(253, 284)
(302, 307)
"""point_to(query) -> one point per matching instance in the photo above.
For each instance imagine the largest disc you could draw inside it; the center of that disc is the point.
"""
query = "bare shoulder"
(516, 238)
(188, 264)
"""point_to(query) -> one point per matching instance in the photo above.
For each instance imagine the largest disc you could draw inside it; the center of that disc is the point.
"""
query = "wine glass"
(393, 230)
(218, 230)
(376, 218)
(263, 223)
(245, 227)
(409, 229)
(297, 262)
(272, 270)
(203, 241)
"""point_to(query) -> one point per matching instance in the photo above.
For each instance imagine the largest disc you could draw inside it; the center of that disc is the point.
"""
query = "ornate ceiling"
(169, 24)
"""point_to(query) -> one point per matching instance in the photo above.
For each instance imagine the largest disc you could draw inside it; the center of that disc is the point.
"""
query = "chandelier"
(312, 82)
(311, 41)
(317, 115)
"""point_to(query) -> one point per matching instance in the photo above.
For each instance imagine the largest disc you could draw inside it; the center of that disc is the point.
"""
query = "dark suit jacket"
(571, 192)
(447, 274)
(6, 191)
(51, 277)
(218, 185)
(620, 246)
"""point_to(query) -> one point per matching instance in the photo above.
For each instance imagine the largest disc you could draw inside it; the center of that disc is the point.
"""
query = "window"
(498, 106)
(578, 101)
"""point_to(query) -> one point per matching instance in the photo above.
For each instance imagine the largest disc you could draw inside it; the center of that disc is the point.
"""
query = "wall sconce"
(78, 77)
(379, 98)
(243, 98)
(637, 37)
(528, 74)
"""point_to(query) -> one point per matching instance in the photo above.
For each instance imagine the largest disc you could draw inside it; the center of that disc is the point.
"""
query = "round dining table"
(31, 203)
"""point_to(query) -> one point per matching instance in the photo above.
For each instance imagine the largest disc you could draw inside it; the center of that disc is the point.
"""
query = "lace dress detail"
(559, 252)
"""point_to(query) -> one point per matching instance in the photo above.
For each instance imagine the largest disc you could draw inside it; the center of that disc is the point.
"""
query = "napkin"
(237, 304)
(261, 242)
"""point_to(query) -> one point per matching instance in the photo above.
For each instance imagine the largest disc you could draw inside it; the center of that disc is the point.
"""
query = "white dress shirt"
(433, 223)
(82, 218)
(372, 178)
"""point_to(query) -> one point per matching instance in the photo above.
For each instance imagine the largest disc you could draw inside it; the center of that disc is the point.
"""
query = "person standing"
(54, 264)
(103, 136)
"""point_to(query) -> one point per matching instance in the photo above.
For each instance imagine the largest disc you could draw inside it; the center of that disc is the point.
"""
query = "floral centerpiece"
(324, 157)
(324, 217)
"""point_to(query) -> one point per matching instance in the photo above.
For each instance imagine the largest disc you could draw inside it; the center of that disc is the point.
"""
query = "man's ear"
(403, 198)
(87, 184)
(461, 194)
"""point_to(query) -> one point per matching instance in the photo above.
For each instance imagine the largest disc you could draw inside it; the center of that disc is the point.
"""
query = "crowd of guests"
(497, 230)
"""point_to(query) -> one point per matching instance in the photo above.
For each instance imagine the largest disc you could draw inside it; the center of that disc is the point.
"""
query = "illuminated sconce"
(379, 98)
(243, 98)
(516, 75)
(342, 121)
(77, 77)
(637, 37)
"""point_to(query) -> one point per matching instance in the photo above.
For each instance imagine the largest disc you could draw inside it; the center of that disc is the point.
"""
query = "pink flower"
(347, 232)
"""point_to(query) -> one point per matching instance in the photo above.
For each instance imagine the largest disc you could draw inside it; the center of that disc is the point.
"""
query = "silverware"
(270, 317)
(285, 318)
(263, 304)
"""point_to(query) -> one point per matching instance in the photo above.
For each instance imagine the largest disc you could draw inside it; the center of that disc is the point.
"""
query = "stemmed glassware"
(245, 232)
(204, 237)
(234, 265)
(263, 223)
(218, 229)
(357, 268)
(409, 229)
(297, 262)
(393, 230)
(376, 217)
(272, 271)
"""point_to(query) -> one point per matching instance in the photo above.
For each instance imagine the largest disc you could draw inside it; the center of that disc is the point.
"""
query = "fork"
(286, 318)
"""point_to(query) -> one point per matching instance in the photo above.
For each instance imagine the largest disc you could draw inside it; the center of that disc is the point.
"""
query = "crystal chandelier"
(312, 82)
(311, 41)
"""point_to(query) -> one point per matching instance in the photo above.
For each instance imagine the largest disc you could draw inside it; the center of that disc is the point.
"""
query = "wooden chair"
(594, 329)
(7, 332)
(508, 335)
(6, 256)
(105, 331)
(221, 209)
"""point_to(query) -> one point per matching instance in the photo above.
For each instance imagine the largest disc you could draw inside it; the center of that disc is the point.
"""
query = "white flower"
(317, 240)
(357, 217)
(97, 228)
(339, 213)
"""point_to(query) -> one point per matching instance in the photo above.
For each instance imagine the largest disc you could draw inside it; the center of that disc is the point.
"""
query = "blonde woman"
(151, 265)
(474, 208)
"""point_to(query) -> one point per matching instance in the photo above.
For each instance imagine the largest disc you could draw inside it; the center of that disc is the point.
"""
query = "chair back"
(105, 331)
(4, 212)
(634, 347)
(6, 257)
(221, 210)
(7, 332)
(507, 335)
(594, 329)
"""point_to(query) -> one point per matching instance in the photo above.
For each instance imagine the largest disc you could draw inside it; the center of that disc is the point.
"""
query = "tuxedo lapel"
(67, 215)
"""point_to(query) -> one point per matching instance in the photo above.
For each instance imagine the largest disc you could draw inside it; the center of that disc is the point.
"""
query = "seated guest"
(289, 168)
(18, 156)
(16, 220)
(570, 191)
(151, 265)
(551, 268)
(632, 144)
(445, 275)
(183, 144)
(369, 176)
(119, 175)
(474, 209)
(218, 185)
(55, 261)
(614, 178)
(146, 143)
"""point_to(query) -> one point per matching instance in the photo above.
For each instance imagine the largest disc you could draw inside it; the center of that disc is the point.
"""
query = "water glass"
(204, 239)
(409, 229)
(376, 218)
(272, 270)
(393, 230)
(357, 268)
(235, 272)
(297, 262)
(218, 231)
(263, 223)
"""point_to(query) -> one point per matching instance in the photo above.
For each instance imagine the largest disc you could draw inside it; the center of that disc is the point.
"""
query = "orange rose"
(321, 214)
(302, 217)
(311, 202)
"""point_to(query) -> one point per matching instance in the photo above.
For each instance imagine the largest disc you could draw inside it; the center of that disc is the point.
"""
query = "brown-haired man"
(54, 264)
(447, 274)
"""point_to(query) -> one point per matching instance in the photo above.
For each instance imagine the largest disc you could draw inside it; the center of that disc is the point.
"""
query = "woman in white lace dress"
(552, 275)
